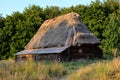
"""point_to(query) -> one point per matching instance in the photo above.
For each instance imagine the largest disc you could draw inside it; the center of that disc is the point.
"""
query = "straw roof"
(65, 30)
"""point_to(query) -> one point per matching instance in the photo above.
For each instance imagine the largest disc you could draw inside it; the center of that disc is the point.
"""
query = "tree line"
(102, 18)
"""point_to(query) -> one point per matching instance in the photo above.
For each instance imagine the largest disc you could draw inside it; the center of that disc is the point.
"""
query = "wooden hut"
(61, 38)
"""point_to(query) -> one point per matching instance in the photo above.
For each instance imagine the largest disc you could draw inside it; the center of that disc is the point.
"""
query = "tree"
(34, 14)
(111, 33)
(51, 12)
(1, 21)
(25, 28)
(94, 18)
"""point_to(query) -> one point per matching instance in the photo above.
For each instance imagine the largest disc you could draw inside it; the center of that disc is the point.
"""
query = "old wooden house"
(61, 38)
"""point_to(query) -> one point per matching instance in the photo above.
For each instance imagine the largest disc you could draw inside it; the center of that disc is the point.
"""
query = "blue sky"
(7, 7)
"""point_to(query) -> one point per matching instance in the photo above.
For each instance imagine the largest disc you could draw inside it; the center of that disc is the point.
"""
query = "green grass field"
(75, 70)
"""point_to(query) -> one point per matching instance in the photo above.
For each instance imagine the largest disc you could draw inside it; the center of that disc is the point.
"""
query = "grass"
(30, 71)
(101, 70)
(75, 70)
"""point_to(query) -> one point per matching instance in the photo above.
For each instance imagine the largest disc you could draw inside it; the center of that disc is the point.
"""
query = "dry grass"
(102, 70)
(30, 71)
(79, 70)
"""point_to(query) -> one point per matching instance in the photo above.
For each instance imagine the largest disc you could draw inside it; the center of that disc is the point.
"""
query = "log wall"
(38, 57)
(85, 51)
(47, 57)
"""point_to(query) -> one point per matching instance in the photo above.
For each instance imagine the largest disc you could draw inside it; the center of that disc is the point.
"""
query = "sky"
(7, 7)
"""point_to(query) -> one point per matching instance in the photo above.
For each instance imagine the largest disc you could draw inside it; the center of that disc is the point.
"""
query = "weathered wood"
(71, 53)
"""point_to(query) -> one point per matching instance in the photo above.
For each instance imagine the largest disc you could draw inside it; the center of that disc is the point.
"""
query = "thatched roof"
(65, 30)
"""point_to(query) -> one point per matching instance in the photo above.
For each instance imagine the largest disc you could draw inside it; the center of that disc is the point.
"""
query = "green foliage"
(51, 12)
(102, 18)
(1, 22)
(112, 32)
(94, 18)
